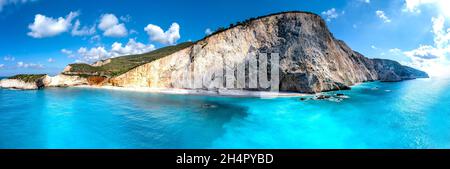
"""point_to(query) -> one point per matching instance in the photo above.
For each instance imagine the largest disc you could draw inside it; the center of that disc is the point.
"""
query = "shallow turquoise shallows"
(409, 114)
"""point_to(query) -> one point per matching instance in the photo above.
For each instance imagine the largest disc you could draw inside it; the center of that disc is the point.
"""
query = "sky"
(43, 36)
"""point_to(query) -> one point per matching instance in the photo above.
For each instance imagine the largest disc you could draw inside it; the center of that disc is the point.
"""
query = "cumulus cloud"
(382, 16)
(330, 14)
(86, 55)
(111, 26)
(95, 39)
(1, 66)
(50, 60)
(126, 18)
(424, 52)
(434, 58)
(77, 30)
(44, 26)
(30, 65)
(395, 51)
(9, 58)
(4, 3)
(132, 47)
(93, 54)
(413, 5)
(208, 31)
(66, 51)
(168, 37)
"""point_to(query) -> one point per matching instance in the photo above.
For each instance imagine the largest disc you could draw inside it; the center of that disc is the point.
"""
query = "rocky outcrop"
(392, 71)
(101, 62)
(311, 59)
(18, 84)
(65, 80)
(24, 85)
(45, 81)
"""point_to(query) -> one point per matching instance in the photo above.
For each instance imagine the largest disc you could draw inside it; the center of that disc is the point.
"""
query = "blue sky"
(43, 36)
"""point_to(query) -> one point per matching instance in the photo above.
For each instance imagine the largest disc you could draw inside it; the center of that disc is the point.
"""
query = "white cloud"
(116, 31)
(434, 58)
(44, 26)
(65, 51)
(95, 39)
(440, 6)
(30, 65)
(330, 14)
(373, 47)
(126, 18)
(208, 31)
(413, 5)
(1, 66)
(93, 54)
(367, 1)
(395, 51)
(117, 49)
(383, 16)
(77, 31)
(424, 52)
(111, 26)
(168, 37)
(9, 58)
(4, 3)
(50, 60)
(132, 47)
(132, 31)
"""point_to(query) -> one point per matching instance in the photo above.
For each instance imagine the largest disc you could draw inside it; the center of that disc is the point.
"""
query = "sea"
(413, 114)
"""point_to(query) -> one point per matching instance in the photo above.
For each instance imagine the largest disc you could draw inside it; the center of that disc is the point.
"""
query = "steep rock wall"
(311, 59)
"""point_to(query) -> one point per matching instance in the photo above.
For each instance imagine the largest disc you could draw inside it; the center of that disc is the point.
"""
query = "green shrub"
(123, 64)
(27, 77)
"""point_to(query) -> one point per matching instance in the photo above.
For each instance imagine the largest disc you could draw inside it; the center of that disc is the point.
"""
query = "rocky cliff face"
(19, 84)
(45, 81)
(392, 71)
(311, 59)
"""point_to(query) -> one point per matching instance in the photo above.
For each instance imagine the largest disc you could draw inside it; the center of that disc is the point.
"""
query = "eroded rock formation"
(311, 59)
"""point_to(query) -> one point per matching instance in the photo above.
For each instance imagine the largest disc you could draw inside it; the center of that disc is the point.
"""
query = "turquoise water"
(410, 114)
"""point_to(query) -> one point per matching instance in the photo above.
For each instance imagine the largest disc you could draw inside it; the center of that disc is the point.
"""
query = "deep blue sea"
(409, 114)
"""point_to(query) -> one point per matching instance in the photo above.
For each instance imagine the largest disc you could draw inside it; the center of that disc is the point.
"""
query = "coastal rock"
(44, 81)
(65, 80)
(18, 84)
(36, 82)
(311, 59)
(390, 76)
(101, 63)
(392, 71)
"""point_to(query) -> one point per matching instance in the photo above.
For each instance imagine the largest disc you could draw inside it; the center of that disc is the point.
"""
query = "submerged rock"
(321, 97)
(208, 106)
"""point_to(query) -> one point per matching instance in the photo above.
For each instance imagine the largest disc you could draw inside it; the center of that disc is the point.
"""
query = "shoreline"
(220, 92)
